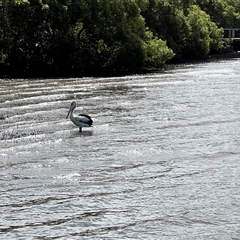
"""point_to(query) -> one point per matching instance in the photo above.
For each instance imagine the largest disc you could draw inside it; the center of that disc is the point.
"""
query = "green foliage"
(199, 40)
(166, 19)
(88, 36)
(225, 13)
(156, 51)
(203, 34)
(189, 32)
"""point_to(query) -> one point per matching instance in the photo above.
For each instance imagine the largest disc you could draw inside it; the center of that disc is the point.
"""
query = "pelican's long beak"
(69, 111)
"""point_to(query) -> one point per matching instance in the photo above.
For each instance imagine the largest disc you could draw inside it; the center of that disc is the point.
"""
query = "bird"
(83, 121)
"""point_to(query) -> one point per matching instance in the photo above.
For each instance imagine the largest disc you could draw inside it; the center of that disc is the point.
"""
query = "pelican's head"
(72, 107)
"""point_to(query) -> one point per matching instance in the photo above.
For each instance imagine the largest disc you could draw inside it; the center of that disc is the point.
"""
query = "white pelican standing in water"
(83, 121)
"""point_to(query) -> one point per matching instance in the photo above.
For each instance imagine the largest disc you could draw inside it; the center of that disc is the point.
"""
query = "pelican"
(83, 121)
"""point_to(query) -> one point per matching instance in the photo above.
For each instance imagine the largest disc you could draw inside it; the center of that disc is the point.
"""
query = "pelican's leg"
(80, 129)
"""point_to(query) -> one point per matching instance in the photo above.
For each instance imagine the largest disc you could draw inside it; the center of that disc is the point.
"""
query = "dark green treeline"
(108, 36)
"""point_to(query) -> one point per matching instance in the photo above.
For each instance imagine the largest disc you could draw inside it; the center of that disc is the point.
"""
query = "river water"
(162, 160)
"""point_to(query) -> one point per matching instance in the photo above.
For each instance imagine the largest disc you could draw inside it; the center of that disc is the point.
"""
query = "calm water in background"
(161, 162)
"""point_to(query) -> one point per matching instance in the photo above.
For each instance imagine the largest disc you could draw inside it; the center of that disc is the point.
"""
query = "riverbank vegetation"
(81, 37)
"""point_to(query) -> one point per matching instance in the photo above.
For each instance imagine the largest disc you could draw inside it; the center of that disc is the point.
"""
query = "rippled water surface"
(162, 160)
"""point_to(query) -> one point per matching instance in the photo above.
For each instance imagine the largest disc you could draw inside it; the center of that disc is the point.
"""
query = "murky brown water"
(161, 162)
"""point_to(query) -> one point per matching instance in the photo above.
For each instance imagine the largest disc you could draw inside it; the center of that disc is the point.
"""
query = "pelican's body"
(83, 121)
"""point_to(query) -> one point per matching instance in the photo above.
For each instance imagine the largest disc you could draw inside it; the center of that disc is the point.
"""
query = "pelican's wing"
(85, 119)
(85, 115)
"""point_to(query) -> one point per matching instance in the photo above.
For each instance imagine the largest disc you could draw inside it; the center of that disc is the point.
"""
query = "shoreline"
(210, 57)
(5, 69)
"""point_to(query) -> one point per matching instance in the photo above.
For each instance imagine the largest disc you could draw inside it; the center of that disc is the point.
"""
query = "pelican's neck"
(73, 119)
(71, 114)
